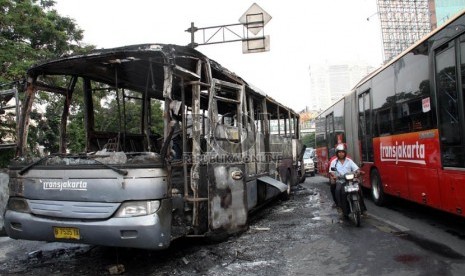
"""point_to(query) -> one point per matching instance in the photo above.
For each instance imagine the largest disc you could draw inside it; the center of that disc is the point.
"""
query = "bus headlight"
(18, 204)
(137, 208)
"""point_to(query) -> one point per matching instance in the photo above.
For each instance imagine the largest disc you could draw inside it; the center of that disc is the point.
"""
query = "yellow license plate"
(66, 233)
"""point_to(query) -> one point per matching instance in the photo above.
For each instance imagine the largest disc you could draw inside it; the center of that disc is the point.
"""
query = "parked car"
(309, 164)
(312, 152)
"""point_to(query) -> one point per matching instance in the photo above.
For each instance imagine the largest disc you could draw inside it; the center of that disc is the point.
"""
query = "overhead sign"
(258, 45)
(255, 18)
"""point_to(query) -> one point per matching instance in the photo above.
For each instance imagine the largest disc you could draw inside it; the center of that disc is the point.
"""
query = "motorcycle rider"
(343, 165)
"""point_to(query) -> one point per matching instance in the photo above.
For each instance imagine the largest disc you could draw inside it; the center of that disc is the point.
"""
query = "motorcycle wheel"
(356, 213)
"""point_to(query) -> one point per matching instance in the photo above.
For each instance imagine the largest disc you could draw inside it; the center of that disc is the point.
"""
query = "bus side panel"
(366, 167)
(410, 160)
(282, 146)
(424, 186)
(321, 149)
(228, 206)
(276, 147)
(252, 194)
(351, 127)
(323, 161)
(453, 191)
(260, 146)
(287, 148)
(459, 192)
(394, 179)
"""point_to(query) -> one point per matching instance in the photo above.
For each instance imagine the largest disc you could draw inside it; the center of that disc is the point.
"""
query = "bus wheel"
(301, 174)
(377, 193)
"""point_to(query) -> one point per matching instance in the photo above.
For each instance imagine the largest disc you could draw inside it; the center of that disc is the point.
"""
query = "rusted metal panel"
(196, 132)
(270, 188)
(228, 208)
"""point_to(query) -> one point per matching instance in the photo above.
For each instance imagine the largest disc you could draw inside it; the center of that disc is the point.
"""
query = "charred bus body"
(209, 163)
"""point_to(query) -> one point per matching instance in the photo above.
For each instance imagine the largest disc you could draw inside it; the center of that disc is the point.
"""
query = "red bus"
(404, 124)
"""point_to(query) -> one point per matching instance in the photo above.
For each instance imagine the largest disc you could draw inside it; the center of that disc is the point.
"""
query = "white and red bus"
(404, 124)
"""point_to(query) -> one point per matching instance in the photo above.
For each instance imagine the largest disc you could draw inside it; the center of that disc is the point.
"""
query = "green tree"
(76, 133)
(131, 111)
(309, 140)
(31, 31)
(156, 118)
(49, 123)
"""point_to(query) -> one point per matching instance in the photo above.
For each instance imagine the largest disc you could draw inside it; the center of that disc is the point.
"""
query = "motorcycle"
(351, 186)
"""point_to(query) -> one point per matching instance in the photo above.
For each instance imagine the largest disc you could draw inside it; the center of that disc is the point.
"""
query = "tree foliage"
(309, 140)
(130, 113)
(31, 30)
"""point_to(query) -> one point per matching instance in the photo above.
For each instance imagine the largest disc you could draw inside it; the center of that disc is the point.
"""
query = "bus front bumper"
(147, 232)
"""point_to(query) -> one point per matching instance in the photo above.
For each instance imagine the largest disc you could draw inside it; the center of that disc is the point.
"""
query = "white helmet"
(341, 147)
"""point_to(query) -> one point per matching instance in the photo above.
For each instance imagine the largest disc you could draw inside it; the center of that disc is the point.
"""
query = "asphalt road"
(300, 236)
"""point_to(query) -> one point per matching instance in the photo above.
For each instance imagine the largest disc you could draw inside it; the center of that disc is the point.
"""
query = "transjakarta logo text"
(77, 185)
(411, 153)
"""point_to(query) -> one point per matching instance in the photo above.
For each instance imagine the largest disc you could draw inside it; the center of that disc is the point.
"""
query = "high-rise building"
(330, 82)
(404, 22)
(319, 87)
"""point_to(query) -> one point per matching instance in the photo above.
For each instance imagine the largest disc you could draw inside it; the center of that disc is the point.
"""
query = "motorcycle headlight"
(349, 176)
(137, 208)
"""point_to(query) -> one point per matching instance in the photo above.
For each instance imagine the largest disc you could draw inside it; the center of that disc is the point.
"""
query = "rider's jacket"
(343, 168)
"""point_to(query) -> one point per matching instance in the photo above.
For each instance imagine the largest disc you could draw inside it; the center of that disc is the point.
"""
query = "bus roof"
(406, 51)
(97, 65)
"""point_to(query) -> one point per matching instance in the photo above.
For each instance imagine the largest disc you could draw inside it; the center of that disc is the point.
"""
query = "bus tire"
(301, 176)
(377, 192)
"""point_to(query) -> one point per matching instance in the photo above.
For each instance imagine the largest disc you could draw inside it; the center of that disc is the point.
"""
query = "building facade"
(330, 82)
(404, 22)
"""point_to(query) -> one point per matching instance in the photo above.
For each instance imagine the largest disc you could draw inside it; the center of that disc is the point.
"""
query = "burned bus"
(173, 145)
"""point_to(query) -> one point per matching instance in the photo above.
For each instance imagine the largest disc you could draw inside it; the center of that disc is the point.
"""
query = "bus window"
(339, 129)
(330, 137)
(364, 118)
(450, 130)
(319, 140)
(383, 122)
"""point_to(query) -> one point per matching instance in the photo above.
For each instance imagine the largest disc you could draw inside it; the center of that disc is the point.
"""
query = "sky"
(302, 33)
